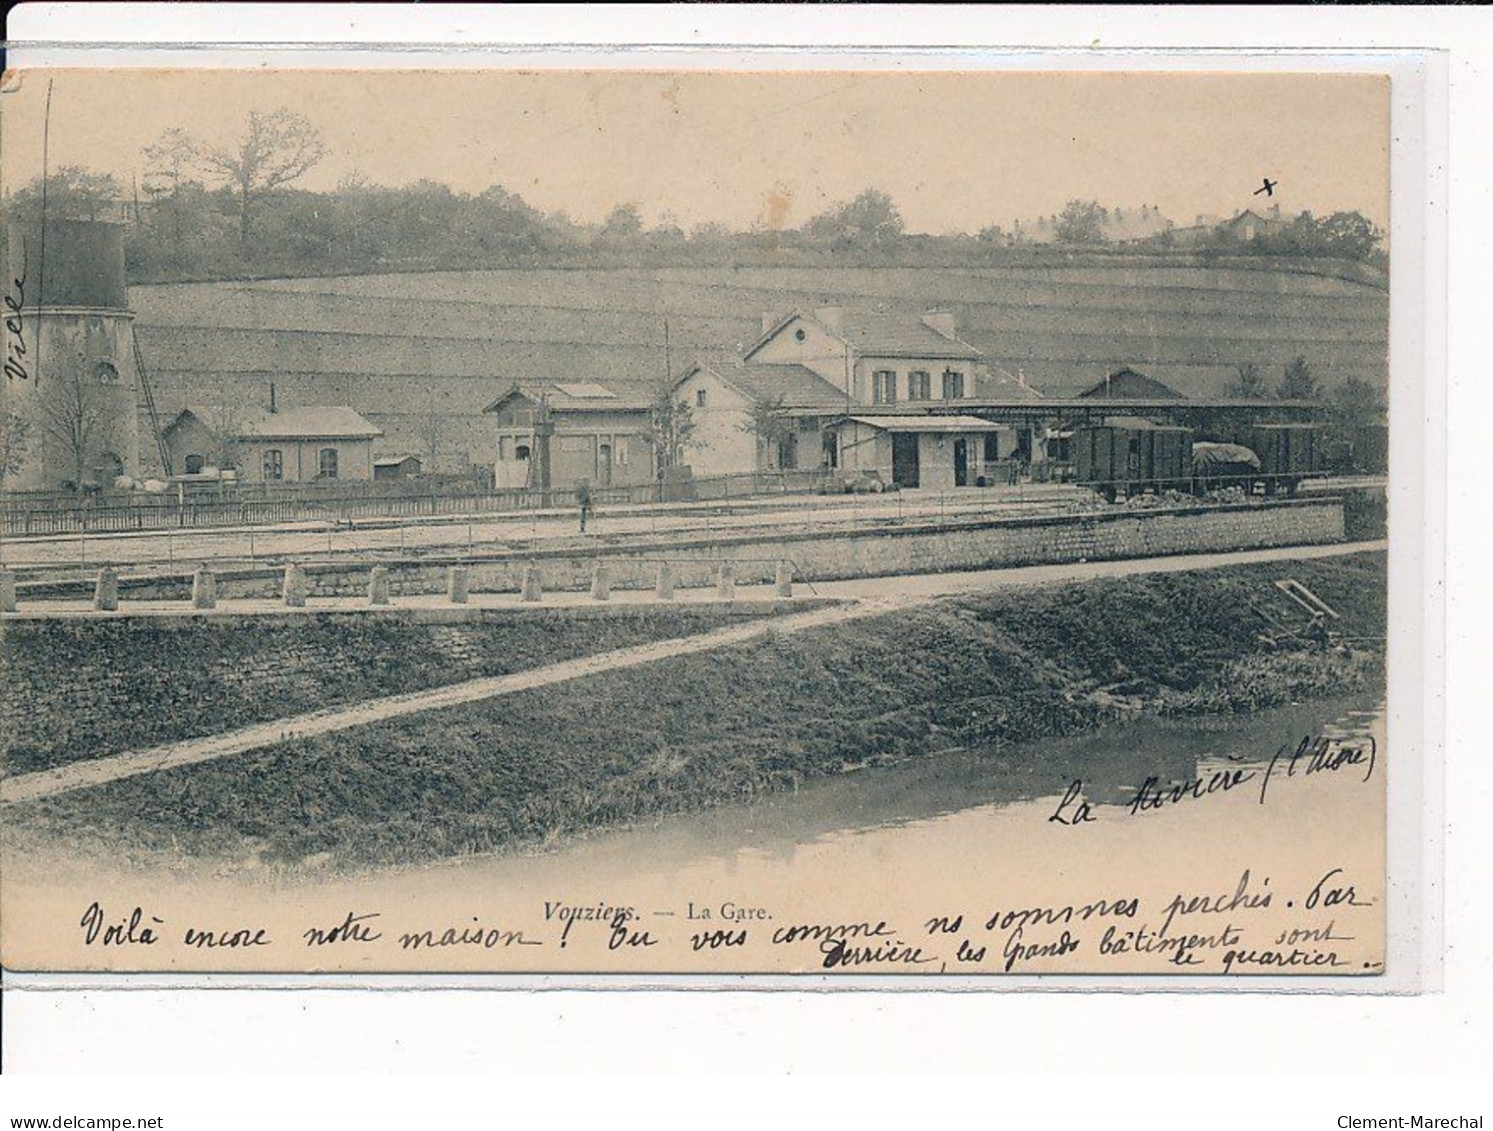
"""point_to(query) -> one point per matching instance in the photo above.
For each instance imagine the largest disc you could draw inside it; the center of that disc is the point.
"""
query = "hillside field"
(400, 347)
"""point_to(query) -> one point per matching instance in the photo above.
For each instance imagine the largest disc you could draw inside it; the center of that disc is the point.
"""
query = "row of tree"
(208, 211)
(1352, 401)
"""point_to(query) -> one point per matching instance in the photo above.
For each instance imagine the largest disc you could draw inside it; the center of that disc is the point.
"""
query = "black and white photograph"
(862, 522)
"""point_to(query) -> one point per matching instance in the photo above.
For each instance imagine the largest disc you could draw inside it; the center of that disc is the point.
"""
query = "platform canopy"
(927, 423)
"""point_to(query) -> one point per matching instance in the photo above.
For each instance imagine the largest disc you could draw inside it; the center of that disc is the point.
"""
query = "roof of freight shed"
(925, 423)
(304, 422)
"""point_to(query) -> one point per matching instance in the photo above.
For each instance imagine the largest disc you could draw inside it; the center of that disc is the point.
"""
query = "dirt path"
(871, 597)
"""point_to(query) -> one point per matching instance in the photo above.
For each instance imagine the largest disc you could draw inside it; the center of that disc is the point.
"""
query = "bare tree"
(167, 165)
(77, 418)
(275, 149)
(224, 424)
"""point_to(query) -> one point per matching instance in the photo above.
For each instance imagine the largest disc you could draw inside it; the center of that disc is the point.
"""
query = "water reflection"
(1112, 764)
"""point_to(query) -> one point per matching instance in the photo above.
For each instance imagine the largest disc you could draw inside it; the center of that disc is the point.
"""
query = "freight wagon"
(1128, 456)
(1288, 454)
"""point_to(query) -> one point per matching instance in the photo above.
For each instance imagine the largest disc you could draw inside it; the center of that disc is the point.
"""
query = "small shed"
(396, 467)
(937, 451)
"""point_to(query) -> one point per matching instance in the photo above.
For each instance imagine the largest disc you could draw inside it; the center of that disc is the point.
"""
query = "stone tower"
(69, 404)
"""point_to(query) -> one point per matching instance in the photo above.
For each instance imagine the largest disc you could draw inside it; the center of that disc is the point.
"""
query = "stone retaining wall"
(887, 550)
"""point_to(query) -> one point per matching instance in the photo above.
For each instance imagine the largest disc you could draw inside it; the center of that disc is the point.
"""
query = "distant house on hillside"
(309, 443)
(599, 435)
(1246, 227)
(1250, 225)
(1128, 384)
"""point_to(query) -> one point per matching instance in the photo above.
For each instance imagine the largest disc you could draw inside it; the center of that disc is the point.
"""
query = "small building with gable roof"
(875, 357)
(305, 444)
(725, 403)
(1129, 384)
(601, 436)
(809, 385)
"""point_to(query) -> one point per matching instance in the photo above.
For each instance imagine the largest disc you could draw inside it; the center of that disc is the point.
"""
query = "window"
(522, 452)
(788, 451)
(274, 465)
(192, 465)
(621, 451)
(106, 373)
(699, 398)
(884, 386)
(953, 385)
(919, 385)
(326, 463)
(992, 447)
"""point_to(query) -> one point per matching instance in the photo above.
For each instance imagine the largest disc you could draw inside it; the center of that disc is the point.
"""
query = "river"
(961, 835)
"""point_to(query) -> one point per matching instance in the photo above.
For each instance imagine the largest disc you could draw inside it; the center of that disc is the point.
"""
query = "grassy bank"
(75, 689)
(979, 673)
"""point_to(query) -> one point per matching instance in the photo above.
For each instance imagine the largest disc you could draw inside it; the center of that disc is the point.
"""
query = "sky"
(956, 151)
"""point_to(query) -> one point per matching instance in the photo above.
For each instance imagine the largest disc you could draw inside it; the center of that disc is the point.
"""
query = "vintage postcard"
(922, 525)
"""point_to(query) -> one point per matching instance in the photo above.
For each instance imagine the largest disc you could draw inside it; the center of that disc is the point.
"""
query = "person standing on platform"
(583, 498)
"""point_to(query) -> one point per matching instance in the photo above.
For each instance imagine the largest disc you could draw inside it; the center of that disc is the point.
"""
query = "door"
(961, 462)
(604, 465)
(905, 459)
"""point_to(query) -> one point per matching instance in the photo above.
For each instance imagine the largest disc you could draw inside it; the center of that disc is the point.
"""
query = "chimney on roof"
(833, 317)
(940, 322)
(272, 396)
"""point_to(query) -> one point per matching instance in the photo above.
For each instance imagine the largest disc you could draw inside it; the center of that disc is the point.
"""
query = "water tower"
(70, 375)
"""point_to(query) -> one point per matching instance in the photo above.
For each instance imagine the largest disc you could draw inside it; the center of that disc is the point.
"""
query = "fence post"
(663, 589)
(533, 585)
(784, 579)
(601, 582)
(725, 584)
(106, 590)
(457, 585)
(204, 589)
(378, 586)
(7, 591)
(293, 589)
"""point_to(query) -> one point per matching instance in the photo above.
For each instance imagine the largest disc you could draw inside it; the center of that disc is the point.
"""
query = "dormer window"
(699, 398)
